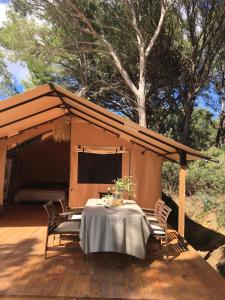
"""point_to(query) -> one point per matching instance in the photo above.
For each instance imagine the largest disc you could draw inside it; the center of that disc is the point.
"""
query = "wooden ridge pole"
(181, 209)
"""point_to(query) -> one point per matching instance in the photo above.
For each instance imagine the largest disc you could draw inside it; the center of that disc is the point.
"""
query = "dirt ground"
(205, 229)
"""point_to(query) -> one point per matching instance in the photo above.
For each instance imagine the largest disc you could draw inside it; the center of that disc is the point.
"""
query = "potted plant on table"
(125, 185)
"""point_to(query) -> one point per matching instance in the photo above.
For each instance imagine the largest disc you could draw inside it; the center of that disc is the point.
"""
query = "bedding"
(39, 195)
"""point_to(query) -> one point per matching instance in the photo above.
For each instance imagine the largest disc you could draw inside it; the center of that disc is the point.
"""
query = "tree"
(21, 39)
(202, 130)
(95, 31)
(219, 87)
(7, 86)
(202, 39)
(76, 43)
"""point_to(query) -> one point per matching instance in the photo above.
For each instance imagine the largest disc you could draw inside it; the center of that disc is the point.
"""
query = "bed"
(41, 193)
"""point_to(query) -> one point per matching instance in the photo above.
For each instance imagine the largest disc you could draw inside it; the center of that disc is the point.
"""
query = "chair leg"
(160, 243)
(166, 239)
(46, 245)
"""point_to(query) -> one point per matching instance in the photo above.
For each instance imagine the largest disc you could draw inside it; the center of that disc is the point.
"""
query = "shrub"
(202, 176)
(207, 201)
(221, 215)
(207, 177)
(170, 177)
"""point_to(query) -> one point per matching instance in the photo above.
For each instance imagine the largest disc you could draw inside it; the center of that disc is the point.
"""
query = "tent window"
(99, 168)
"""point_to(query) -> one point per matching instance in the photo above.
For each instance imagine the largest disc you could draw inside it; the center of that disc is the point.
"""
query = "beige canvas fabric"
(33, 112)
(144, 168)
(47, 103)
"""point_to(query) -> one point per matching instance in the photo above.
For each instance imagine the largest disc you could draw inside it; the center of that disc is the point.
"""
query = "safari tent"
(98, 147)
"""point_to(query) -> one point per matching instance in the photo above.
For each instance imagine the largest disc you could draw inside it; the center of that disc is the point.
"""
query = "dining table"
(121, 229)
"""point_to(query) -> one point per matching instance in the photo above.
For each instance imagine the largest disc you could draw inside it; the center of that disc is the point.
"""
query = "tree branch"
(158, 29)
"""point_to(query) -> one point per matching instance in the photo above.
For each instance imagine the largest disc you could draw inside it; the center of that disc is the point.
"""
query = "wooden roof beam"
(27, 101)
(31, 115)
(32, 127)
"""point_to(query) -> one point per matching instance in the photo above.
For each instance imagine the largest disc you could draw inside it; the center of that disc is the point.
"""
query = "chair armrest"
(69, 213)
(76, 209)
(164, 226)
(148, 210)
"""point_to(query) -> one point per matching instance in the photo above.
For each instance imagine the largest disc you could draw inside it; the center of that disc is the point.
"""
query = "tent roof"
(49, 102)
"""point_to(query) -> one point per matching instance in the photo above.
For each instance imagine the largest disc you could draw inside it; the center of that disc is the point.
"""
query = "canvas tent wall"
(47, 162)
(144, 168)
(25, 114)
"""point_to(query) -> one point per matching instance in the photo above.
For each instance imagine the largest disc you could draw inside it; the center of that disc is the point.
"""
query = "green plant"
(126, 184)
(170, 178)
(202, 177)
(207, 201)
(221, 215)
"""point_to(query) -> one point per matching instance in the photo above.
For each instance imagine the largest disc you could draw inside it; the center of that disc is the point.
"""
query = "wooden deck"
(24, 274)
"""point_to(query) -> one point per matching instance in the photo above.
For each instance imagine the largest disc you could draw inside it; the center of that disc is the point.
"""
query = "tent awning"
(49, 102)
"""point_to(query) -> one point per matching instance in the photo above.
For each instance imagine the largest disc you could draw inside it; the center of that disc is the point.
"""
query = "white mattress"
(39, 195)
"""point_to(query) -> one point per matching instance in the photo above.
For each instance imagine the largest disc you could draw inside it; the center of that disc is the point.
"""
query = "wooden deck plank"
(24, 274)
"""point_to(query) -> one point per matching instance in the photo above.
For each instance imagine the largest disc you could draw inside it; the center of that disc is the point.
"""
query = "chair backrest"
(158, 207)
(53, 215)
(164, 214)
(63, 204)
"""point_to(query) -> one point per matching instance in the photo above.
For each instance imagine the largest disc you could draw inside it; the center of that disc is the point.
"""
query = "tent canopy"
(49, 102)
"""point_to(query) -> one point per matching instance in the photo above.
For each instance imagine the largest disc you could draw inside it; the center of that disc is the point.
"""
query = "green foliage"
(203, 177)
(202, 130)
(170, 177)
(207, 201)
(126, 184)
(207, 176)
(27, 41)
(7, 87)
(221, 214)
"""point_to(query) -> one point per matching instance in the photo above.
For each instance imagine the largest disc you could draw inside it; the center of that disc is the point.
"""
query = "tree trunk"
(220, 132)
(187, 119)
(220, 135)
(142, 110)
(142, 115)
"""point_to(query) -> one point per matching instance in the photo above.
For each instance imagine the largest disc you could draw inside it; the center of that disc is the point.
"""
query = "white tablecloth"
(116, 229)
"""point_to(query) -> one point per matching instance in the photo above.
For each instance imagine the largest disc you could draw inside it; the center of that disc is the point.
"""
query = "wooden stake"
(3, 151)
(181, 212)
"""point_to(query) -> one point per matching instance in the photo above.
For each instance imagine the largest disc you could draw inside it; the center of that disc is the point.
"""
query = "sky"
(18, 70)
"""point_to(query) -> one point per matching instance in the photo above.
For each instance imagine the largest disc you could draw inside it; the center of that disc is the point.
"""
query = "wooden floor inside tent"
(24, 274)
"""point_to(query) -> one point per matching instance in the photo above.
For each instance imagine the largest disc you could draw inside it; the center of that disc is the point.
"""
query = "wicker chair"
(65, 229)
(152, 215)
(159, 230)
(68, 213)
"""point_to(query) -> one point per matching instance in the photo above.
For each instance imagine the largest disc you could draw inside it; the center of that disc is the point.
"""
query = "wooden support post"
(3, 152)
(73, 165)
(181, 210)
